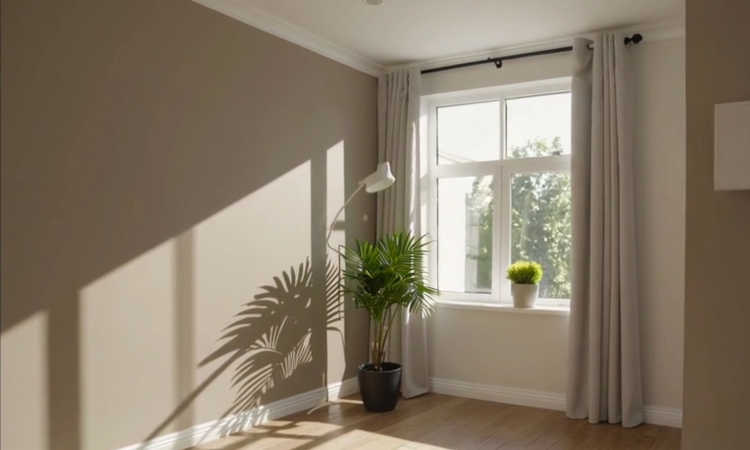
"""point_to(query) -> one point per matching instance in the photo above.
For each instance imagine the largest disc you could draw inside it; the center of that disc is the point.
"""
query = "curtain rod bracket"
(498, 62)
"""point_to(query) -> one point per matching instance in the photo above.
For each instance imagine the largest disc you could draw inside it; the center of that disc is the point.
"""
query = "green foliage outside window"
(540, 221)
(479, 207)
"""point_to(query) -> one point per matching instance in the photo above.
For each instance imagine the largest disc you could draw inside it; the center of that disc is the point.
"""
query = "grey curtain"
(604, 379)
(398, 208)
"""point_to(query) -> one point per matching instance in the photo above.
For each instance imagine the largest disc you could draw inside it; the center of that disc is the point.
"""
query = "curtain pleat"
(604, 377)
(398, 209)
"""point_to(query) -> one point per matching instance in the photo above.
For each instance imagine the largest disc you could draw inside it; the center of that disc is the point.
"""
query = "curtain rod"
(498, 61)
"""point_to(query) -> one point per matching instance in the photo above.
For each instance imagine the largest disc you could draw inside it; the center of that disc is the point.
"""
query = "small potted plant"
(386, 278)
(525, 277)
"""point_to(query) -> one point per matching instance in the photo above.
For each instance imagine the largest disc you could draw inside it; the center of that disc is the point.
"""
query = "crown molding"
(652, 32)
(280, 28)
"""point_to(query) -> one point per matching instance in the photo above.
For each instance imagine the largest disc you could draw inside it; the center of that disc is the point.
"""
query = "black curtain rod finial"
(634, 39)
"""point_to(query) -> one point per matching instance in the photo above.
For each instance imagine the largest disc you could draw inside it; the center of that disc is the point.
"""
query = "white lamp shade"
(381, 179)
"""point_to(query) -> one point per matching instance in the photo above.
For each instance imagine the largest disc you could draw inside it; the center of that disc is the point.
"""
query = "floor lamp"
(377, 181)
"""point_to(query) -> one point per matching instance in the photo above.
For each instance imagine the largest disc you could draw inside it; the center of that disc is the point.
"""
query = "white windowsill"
(504, 307)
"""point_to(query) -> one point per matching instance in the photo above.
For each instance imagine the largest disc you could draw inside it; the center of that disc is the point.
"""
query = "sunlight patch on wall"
(127, 348)
(239, 254)
(25, 339)
(147, 325)
(335, 198)
(336, 191)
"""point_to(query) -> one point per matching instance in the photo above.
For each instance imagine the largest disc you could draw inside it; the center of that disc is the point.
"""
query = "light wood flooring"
(441, 421)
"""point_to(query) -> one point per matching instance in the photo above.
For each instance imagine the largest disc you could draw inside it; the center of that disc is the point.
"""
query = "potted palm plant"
(385, 278)
(525, 277)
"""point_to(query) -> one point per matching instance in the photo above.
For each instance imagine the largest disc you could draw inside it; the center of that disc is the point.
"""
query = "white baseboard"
(501, 394)
(210, 431)
(657, 415)
(216, 429)
(343, 388)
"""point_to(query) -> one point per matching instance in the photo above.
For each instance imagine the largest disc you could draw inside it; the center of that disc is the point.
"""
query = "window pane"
(467, 133)
(465, 208)
(538, 126)
(540, 228)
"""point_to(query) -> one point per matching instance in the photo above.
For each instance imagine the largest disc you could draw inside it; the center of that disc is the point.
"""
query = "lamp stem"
(335, 218)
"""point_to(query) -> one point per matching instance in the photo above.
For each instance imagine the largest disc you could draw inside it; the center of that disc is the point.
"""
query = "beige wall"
(659, 163)
(530, 351)
(161, 163)
(717, 302)
(509, 349)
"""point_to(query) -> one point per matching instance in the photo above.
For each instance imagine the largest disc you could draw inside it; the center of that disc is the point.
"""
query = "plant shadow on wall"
(270, 342)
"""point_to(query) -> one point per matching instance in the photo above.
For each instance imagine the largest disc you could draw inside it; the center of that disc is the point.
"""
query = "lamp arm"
(335, 218)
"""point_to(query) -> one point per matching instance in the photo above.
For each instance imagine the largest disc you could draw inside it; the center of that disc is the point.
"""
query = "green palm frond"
(387, 277)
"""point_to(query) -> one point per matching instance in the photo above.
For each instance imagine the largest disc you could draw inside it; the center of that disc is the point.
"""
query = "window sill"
(548, 310)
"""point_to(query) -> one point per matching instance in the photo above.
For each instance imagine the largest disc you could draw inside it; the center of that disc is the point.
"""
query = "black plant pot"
(380, 388)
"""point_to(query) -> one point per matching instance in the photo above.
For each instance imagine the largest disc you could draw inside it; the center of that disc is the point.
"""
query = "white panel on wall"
(732, 146)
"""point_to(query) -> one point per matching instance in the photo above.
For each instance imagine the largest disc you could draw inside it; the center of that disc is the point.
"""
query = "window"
(499, 187)
(465, 206)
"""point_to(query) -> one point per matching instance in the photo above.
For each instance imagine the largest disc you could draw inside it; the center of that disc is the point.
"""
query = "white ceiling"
(401, 31)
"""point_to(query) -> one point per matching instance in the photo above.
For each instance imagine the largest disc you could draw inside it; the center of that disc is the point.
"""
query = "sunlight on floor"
(309, 435)
(275, 434)
(368, 440)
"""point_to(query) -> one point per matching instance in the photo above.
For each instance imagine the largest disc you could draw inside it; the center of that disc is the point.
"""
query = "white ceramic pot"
(524, 295)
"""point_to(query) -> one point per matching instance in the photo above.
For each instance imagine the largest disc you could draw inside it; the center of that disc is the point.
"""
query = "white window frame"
(502, 171)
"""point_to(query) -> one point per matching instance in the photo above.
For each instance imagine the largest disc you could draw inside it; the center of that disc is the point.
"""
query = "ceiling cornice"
(300, 36)
(294, 34)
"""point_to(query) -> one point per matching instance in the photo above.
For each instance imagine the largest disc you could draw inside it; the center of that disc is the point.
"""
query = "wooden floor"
(441, 421)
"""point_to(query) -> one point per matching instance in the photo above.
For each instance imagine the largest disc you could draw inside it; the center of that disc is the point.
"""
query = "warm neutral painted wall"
(530, 351)
(717, 302)
(659, 77)
(160, 164)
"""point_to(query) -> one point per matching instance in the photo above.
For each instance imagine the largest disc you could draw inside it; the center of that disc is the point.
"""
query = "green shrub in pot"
(525, 277)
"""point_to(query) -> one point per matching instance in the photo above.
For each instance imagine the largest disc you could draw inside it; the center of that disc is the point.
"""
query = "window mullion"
(499, 228)
(497, 233)
(432, 211)
(503, 128)
(555, 163)
(505, 227)
(471, 169)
